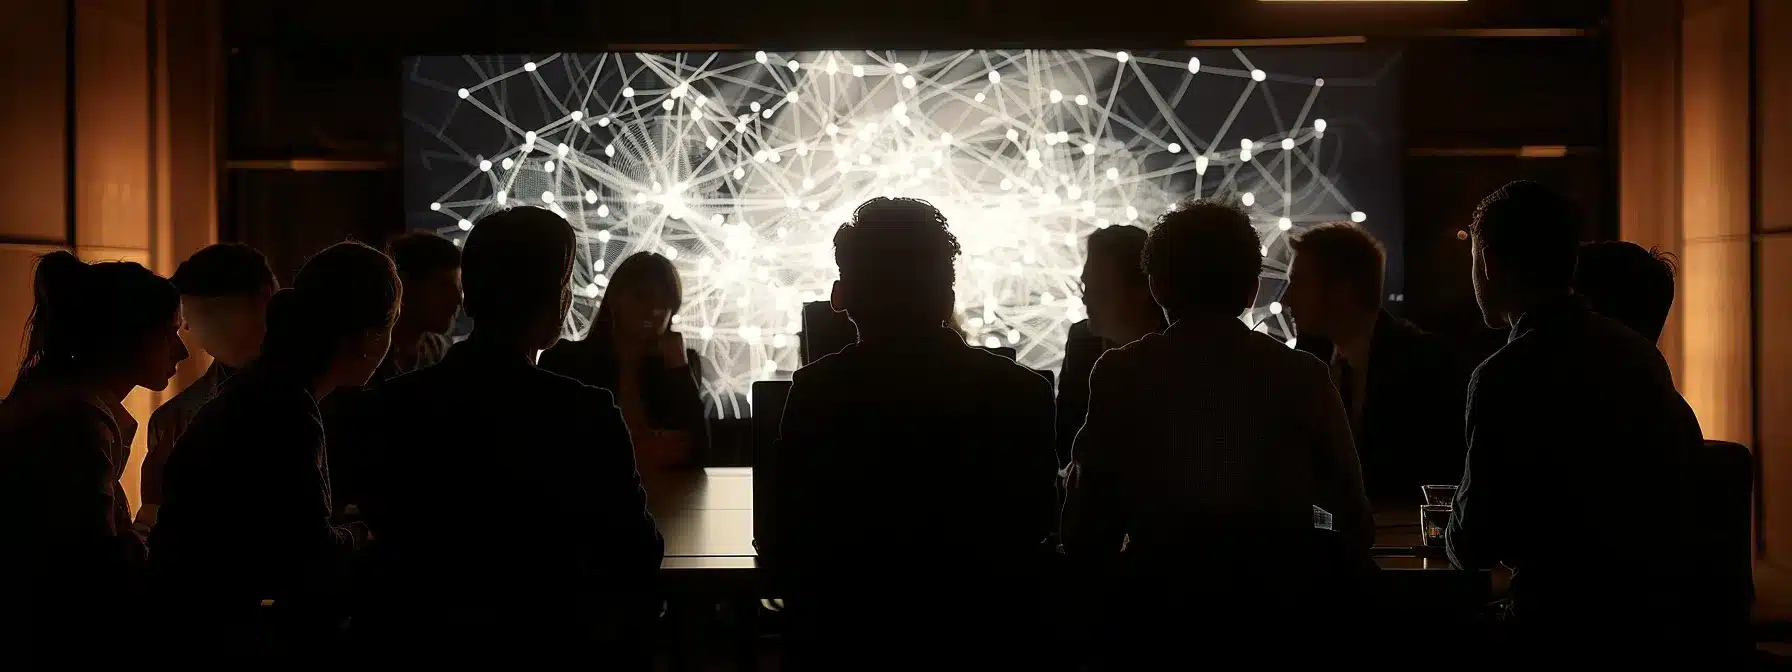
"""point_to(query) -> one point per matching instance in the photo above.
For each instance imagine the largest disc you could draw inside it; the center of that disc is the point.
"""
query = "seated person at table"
(1206, 448)
(429, 266)
(1402, 388)
(1627, 283)
(1121, 311)
(245, 520)
(505, 501)
(1579, 448)
(224, 293)
(633, 352)
(918, 480)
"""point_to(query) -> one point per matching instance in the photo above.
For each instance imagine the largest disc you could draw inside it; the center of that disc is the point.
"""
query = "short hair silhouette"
(1627, 283)
(515, 265)
(225, 269)
(1344, 250)
(1534, 233)
(640, 268)
(897, 259)
(1123, 244)
(89, 318)
(419, 253)
(1204, 256)
(341, 292)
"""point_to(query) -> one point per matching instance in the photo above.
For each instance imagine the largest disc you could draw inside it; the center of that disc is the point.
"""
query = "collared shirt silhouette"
(1576, 477)
(1207, 434)
(501, 493)
(246, 512)
(170, 421)
(913, 461)
(1404, 396)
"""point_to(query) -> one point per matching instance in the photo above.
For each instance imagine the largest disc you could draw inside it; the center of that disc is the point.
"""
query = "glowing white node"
(1194, 64)
(1056, 95)
(1201, 165)
(808, 183)
(739, 173)
(1358, 217)
(1244, 155)
(1290, 341)
(508, 164)
(1174, 148)
(1074, 191)
(793, 203)
(790, 97)
(908, 81)
(590, 196)
(484, 165)
(1318, 125)
(547, 166)
(1263, 251)
(529, 67)
(900, 68)
(501, 196)
(1033, 155)
(435, 207)
(858, 71)
(1284, 224)
(603, 236)
(463, 93)
(1244, 143)
(709, 142)
(1089, 149)
(831, 129)
(1287, 143)
(740, 127)
(1132, 213)
(465, 225)
(767, 113)
(995, 77)
(529, 138)
(1319, 82)
(1122, 56)
(1259, 75)
(707, 331)
(1007, 184)
(992, 342)
(667, 104)
(671, 254)
(628, 92)
(946, 138)
(759, 56)
(1082, 99)
(1249, 199)
(702, 100)
(1013, 134)
(794, 65)
(778, 341)
(640, 197)
(547, 197)
(609, 150)
(1114, 174)
(979, 97)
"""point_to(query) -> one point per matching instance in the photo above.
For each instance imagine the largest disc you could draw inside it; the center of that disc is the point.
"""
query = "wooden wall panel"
(112, 124)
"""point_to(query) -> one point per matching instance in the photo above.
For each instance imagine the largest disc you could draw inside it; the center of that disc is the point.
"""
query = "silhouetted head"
(1524, 239)
(429, 266)
(1336, 277)
(516, 265)
(224, 293)
(1115, 292)
(114, 324)
(1203, 257)
(332, 327)
(896, 260)
(1627, 283)
(643, 295)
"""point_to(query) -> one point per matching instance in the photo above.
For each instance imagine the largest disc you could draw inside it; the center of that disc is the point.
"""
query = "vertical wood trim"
(70, 136)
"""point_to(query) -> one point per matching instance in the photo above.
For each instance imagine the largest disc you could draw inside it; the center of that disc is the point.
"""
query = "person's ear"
(837, 298)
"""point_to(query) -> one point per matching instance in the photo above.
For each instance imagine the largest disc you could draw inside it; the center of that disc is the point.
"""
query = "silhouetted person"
(70, 560)
(1402, 387)
(245, 541)
(1121, 311)
(1579, 449)
(917, 473)
(517, 524)
(1627, 283)
(1204, 452)
(224, 293)
(633, 352)
(429, 267)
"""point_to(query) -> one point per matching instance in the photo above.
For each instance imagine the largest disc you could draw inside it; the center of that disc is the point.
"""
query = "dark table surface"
(707, 519)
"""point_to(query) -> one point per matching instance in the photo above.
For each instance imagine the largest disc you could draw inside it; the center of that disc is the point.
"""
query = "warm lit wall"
(107, 134)
(1703, 89)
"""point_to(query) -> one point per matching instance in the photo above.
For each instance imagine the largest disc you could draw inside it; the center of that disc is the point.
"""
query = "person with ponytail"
(633, 352)
(245, 537)
(97, 332)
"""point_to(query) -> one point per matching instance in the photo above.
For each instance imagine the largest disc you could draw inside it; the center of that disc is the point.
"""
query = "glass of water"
(1439, 495)
(1433, 520)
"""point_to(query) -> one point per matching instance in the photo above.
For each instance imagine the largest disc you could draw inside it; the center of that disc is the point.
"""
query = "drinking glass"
(1433, 520)
(1439, 495)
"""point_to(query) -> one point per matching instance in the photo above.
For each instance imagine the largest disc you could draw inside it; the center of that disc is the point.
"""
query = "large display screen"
(739, 166)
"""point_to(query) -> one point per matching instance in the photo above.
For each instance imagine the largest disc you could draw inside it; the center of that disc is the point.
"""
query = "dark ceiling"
(541, 25)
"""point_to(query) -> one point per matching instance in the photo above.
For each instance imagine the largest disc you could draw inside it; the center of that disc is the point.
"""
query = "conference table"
(707, 519)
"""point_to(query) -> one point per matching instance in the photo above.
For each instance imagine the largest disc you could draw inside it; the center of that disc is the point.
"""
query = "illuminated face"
(229, 328)
(642, 310)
